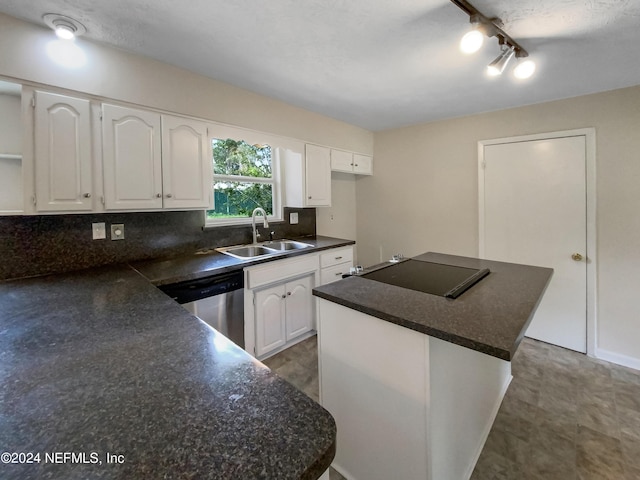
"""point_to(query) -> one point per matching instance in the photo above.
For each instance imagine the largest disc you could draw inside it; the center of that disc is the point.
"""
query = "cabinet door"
(270, 319)
(131, 158)
(318, 176)
(341, 161)
(62, 153)
(299, 306)
(187, 167)
(362, 164)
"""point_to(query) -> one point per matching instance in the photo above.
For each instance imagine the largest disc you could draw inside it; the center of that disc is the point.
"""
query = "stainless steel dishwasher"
(218, 300)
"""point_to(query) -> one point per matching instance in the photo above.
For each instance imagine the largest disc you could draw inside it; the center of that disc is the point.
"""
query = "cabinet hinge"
(100, 115)
(33, 102)
(102, 199)
(34, 200)
(484, 165)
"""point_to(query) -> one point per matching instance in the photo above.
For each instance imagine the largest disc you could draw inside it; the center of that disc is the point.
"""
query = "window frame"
(221, 132)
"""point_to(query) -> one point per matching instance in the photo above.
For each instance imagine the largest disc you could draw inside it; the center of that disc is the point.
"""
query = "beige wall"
(113, 73)
(339, 220)
(424, 196)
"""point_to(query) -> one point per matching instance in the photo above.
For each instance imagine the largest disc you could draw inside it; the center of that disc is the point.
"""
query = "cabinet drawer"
(336, 256)
(334, 273)
(281, 270)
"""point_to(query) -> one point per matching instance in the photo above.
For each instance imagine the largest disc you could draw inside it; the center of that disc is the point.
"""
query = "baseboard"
(489, 424)
(617, 358)
(342, 471)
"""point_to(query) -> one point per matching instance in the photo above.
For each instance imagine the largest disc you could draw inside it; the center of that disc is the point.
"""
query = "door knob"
(577, 257)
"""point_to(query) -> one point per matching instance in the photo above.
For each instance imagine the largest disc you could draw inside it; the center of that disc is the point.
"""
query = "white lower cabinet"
(334, 263)
(283, 313)
(299, 307)
(270, 319)
(279, 306)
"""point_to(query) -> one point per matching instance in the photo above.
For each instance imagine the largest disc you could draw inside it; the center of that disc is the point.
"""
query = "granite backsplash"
(43, 244)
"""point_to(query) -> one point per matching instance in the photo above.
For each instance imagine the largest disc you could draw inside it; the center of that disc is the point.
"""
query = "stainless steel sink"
(286, 245)
(246, 252)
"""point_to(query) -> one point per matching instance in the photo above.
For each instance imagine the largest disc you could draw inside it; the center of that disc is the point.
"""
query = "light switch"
(293, 218)
(117, 231)
(99, 231)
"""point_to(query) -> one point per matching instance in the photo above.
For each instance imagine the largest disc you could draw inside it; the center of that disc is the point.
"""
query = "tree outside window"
(242, 179)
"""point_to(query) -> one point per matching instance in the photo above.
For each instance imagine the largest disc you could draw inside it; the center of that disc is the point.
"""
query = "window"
(243, 179)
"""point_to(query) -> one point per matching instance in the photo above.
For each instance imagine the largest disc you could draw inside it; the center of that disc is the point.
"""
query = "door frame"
(590, 183)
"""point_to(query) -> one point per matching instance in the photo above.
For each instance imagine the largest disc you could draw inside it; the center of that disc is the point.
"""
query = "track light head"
(524, 69)
(471, 41)
(500, 63)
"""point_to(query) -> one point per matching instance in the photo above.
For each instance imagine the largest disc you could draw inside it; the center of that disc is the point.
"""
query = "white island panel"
(467, 388)
(406, 405)
(373, 381)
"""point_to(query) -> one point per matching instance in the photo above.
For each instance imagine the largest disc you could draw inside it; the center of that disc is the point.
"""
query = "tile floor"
(565, 416)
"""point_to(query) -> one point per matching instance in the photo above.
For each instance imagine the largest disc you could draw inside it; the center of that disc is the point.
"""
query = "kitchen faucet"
(265, 224)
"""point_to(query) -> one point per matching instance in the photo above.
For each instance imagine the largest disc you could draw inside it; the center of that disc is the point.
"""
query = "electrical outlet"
(293, 218)
(117, 231)
(99, 231)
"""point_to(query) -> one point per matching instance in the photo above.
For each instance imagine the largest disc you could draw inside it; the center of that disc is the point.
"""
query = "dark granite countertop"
(100, 361)
(198, 265)
(491, 317)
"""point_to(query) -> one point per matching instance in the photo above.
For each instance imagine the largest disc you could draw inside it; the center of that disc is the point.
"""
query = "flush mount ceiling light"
(493, 27)
(66, 28)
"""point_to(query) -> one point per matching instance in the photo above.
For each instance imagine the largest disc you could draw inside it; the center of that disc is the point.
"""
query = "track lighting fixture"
(492, 27)
(66, 28)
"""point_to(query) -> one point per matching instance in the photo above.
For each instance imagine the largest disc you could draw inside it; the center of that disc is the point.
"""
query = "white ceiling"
(374, 63)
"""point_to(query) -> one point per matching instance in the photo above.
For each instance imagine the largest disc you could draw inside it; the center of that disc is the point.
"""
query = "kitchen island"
(104, 376)
(415, 380)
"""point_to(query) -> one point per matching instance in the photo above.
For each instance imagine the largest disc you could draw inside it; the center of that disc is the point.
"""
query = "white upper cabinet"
(341, 161)
(154, 161)
(186, 163)
(63, 173)
(308, 179)
(131, 155)
(348, 162)
(362, 164)
(318, 175)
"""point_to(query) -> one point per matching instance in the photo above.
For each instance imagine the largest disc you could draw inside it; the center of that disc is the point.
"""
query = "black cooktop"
(435, 278)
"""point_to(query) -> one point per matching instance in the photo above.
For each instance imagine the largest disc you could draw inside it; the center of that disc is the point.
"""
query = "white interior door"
(533, 211)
